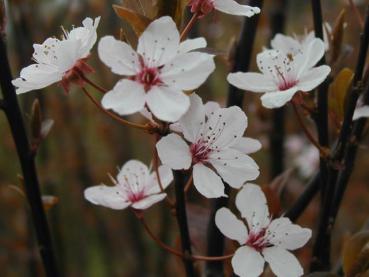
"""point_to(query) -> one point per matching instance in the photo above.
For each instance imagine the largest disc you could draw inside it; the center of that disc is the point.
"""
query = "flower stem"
(32, 187)
(113, 115)
(189, 26)
(188, 184)
(96, 86)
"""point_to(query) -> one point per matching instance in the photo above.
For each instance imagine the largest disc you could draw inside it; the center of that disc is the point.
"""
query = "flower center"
(201, 7)
(148, 76)
(200, 152)
(257, 240)
(133, 187)
(285, 81)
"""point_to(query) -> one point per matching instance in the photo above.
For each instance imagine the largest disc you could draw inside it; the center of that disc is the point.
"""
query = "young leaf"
(337, 36)
(173, 8)
(46, 126)
(356, 254)
(137, 21)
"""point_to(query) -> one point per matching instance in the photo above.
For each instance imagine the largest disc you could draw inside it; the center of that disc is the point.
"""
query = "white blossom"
(361, 112)
(59, 60)
(282, 76)
(261, 239)
(214, 146)
(203, 7)
(157, 73)
(134, 187)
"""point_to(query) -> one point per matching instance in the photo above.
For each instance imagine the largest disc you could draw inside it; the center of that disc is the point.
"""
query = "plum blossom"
(262, 239)
(60, 60)
(157, 73)
(361, 112)
(203, 7)
(134, 187)
(215, 148)
(281, 76)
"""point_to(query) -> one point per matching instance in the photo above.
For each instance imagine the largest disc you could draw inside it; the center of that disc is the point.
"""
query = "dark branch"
(27, 162)
(242, 59)
(180, 181)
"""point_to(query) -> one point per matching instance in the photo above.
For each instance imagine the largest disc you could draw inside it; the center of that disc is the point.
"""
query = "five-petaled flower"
(60, 60)
(262, 240)
(158, 73)
(282, 75)
(135, 186)
(215, 144)
(203, 7)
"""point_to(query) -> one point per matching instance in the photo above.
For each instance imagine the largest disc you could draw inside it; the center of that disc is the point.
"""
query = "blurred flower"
(60, 60)
(203, 7)
(361, 112)
(282, 76)
(216, 143)
(135, 186)
(158, 73)
(262, 240)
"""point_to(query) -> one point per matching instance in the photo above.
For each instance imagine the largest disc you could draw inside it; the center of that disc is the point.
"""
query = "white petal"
(224, 127)
(166, 177)
(67, 54)
(167, 103)
(232, 7)
(211, 106)
(286, 44)
(188, 71)
(45, 57)
(310, 56)
(230, 225)
(252, 204)
(119, 56)
(192, 122)
(277, 99)
(127, 97)
(191, 44)
(247, 145)
(234, 167)
(285, 234)
(282, 262)
(314, 77)
(148, 201)
(136, 170)
(36, 76)
(361, 112)
(174, 152)
(251, 81)
(110, 197)
(207, 182)
(247, 262)
(159, 43)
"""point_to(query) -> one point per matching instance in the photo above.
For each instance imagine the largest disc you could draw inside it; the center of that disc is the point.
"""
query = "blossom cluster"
(157, 80)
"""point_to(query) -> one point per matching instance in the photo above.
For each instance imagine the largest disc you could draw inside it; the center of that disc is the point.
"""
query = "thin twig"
(189, 26)
(96, 86)
(188, 184)
(32, 187)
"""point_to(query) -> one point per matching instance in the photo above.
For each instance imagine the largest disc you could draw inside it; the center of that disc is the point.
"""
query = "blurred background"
(84, 145)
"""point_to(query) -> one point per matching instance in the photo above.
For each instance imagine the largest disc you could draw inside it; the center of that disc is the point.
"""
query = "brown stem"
(177, 252)
(96, 86)
(357, 14)
(189, 26)
(113, 115)
(188, 184)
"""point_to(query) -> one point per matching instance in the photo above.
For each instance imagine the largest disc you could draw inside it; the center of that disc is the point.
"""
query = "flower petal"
(148, 201)
(285, 234)
(247, 145)
(36, 76)
(174, 152)
(314, 77)
(224, 127)
(86, 34)
(127, 97)
(207, 182)
(159, 43)
(234, 167)
(191, 44)
(247, 262)
(286, 44)
(232, 7)
(282, 262)
(211, 106)
(110, 197)
(251, 81)
(252, 204)
(277, 99)
(311, 55)
(188, 71)
(134, 172)
(167, 103)
(361, 112)
(230, 225)
(118, 55)
(166, 177)
(192, 122)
